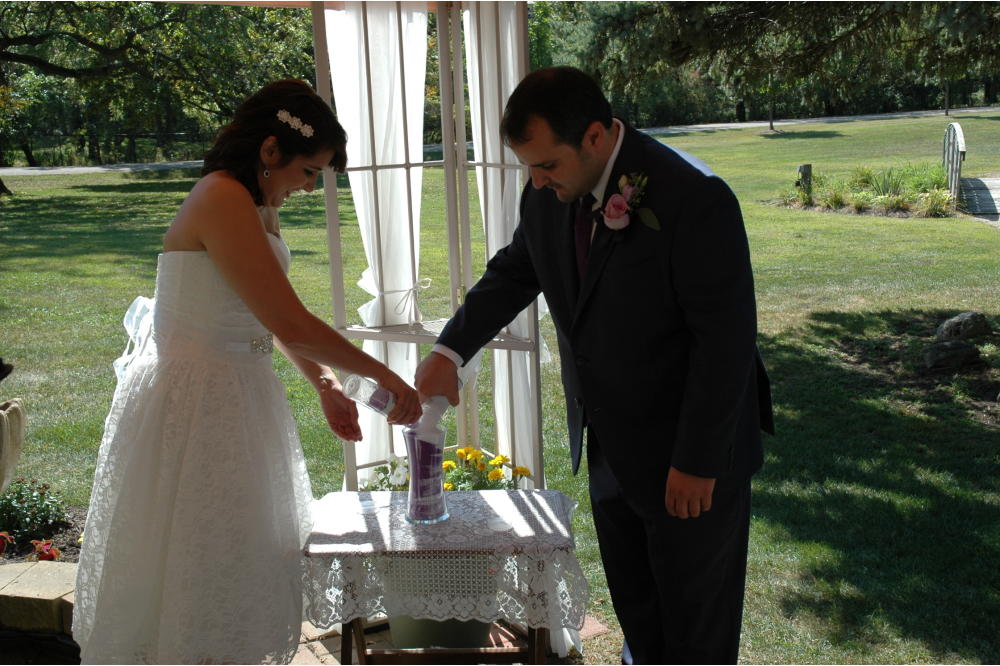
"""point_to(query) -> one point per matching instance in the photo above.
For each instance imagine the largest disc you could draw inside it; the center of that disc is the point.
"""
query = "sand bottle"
(425, 449)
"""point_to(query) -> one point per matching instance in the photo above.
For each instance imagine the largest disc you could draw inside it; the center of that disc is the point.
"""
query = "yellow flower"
(481, 465)
(495, 474)
(448, 465)
(475, 455)
(460, 453)
(500, 460)
(449, 486)
(521, 471)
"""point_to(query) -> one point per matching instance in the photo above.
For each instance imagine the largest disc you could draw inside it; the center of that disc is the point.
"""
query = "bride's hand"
(407, 408)
(341, 414)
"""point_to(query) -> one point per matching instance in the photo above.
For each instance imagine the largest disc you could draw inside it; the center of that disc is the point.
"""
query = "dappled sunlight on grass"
(884, 505)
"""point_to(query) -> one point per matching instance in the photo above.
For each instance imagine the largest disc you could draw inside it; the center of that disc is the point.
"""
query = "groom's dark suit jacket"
(658, 345)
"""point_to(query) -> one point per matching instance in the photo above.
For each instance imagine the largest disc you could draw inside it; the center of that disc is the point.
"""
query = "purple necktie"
(582, 231)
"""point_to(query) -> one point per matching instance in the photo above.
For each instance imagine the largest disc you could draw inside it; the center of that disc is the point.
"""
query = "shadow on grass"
(71, 228)
(93, 220)
(670, 134)
(977, 117)
(894, 471)
(803, 134)
(141, 187)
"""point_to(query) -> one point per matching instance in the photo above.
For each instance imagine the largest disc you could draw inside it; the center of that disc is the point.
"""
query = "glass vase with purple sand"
(368, 393)
(425, 449)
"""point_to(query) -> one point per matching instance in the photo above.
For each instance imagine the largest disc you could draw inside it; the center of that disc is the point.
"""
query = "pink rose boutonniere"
(616, 211)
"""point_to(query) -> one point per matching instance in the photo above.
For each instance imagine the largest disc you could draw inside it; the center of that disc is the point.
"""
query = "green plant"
(891, 203)
(887, 183)
(924, 177)
(833, 197)
(28, 509)
(394, 476)
(471, 471)
(934, 203)
(861, 178)
(861, 201)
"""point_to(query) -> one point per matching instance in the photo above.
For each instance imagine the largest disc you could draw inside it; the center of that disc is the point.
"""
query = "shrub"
(861, 178)
(887, 183)
(934, 203)
(861, 201)
(29, 509)
(803, 197)
(833, 198)
(924, 177)
(890, 203)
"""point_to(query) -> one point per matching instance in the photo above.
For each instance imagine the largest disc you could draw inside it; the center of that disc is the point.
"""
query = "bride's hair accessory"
(296, 123)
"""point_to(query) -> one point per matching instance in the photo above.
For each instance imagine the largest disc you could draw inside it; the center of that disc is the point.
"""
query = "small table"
(501, 555)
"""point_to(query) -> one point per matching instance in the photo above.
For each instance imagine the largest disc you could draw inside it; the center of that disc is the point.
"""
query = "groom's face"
(569, 171)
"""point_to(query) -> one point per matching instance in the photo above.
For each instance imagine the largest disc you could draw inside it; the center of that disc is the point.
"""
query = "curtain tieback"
(410, 294)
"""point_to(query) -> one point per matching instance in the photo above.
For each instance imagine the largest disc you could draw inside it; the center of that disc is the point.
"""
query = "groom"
(642, 256)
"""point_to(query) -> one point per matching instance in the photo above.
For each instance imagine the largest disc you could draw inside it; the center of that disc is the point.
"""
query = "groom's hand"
(437, 375)
(688, 495)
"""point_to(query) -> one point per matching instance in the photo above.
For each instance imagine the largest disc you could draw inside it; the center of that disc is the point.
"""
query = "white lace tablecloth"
(501, 555)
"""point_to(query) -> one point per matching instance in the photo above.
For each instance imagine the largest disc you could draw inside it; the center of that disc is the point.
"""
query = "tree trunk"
(3, 189)
(130, 151)
(989, 92)
(93, 146)
(770, 104)
(947, 97)
(741, 111)
(28, 155)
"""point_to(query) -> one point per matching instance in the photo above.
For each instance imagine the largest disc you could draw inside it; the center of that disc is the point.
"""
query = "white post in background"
(377, 54)
(324, 90)
(954, 155)
(496, 59)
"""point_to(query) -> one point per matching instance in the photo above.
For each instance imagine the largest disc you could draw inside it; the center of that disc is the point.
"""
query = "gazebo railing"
(954, 155)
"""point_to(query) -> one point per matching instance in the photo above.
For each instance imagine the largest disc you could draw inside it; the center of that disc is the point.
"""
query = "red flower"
(44, 550)
(4, 540)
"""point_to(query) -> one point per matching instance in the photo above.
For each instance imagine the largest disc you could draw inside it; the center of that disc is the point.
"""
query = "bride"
(199, 508)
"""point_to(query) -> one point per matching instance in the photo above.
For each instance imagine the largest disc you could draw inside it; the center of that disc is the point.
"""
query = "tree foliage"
(130, 69)
(96, 77)
(818, 57)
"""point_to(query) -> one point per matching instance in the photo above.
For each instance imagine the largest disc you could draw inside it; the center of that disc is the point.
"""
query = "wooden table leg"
(538, 642)
(346, 632)
(361, 647)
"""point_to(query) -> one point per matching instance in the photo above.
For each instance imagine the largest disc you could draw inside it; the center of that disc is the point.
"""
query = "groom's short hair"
(565, 97)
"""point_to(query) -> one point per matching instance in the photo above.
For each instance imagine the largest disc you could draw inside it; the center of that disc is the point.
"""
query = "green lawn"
(876, 527)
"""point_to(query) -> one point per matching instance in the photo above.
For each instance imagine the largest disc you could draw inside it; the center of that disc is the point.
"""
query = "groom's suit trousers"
(676, 585)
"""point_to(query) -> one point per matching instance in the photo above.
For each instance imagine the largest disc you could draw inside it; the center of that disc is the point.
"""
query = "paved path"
(680, 129)
(675, 129)
(45, 171)
(981, 197)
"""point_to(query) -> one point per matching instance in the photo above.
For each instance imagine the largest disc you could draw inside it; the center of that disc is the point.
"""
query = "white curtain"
(378, 88)
(493, 57)
(494, 69)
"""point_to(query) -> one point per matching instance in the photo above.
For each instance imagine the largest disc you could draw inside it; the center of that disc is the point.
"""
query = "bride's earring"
(267, 172)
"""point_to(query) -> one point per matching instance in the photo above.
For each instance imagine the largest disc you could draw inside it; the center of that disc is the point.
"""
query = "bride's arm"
(221, 215)
(340, 411)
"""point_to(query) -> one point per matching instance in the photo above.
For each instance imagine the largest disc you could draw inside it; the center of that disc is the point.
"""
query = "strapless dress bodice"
(196, 312)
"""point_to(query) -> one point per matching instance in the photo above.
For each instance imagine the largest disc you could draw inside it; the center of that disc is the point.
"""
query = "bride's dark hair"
(237, 146)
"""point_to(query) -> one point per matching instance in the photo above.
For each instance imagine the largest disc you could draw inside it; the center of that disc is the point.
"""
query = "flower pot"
(408, 632)
(459, 579)
(11, 439)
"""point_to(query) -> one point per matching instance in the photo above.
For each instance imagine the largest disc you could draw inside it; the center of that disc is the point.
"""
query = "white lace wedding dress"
(200, 505)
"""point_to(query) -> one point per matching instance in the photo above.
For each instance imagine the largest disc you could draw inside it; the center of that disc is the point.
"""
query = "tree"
(145, 67)
(772, 53)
